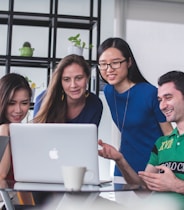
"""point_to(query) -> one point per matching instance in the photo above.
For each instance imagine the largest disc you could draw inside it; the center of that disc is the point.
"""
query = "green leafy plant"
(76, 41)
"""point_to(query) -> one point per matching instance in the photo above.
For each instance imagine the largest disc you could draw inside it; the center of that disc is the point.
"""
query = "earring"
(87, 93)
(62, 96)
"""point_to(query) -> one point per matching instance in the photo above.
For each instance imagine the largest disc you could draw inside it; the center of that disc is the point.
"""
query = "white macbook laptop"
(39, 151)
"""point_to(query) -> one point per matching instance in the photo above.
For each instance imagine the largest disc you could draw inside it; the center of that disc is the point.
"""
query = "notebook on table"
(39, 151)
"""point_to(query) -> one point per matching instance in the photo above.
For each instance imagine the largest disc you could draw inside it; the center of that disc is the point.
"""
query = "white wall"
(155, 31)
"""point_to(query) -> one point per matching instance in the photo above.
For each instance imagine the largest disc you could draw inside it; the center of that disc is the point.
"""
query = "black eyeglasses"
(113, 65)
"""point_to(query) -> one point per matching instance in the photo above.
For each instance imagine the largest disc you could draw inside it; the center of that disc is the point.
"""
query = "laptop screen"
(39, 151)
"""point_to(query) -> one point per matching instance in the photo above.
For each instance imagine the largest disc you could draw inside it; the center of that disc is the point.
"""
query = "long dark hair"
(9, 84)
(134, 73)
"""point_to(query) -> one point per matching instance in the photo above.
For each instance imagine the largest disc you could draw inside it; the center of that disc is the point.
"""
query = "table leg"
(7, 200)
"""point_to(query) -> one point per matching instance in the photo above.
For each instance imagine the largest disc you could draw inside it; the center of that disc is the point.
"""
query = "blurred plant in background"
(31, 83)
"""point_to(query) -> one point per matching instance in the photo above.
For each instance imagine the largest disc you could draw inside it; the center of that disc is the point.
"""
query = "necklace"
(125, 112)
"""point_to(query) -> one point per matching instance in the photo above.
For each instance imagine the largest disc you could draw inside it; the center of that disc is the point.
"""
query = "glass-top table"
(108, 186)
(108, 196)
(88, 193)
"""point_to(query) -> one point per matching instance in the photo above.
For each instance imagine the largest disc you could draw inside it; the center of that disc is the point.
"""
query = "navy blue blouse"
(91, 112)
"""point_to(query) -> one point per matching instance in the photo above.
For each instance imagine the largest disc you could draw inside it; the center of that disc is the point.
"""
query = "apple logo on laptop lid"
(53, 154)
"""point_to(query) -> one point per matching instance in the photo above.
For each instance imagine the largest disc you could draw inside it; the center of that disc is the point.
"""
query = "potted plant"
(77, 45)
(26, 50)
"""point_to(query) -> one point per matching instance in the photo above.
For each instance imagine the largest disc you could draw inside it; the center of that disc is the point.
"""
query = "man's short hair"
(177, 77)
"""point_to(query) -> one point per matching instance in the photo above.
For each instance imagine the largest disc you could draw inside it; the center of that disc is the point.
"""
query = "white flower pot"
(75, 50)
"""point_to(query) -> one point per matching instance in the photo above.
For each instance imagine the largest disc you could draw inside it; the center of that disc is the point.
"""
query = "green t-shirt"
(169, 151)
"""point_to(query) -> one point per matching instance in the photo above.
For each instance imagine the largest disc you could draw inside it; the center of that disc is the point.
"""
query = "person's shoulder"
(4, 126)
(108, 89)
(148, 88)
(108, 86)
(4, 129)
(40, 96)
(167, 137)
(94, 98)
(146, 85)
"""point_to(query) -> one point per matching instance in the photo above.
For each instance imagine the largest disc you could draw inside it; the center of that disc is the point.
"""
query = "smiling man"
(167, 155)
(165, 169)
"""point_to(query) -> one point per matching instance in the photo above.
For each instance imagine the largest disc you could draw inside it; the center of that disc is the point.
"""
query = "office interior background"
(154, 30)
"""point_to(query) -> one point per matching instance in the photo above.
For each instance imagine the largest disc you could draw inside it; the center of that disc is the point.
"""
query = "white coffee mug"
(73, 177)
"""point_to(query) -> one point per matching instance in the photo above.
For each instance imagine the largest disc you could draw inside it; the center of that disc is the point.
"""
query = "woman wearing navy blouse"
(132, 101)
(67, 99)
